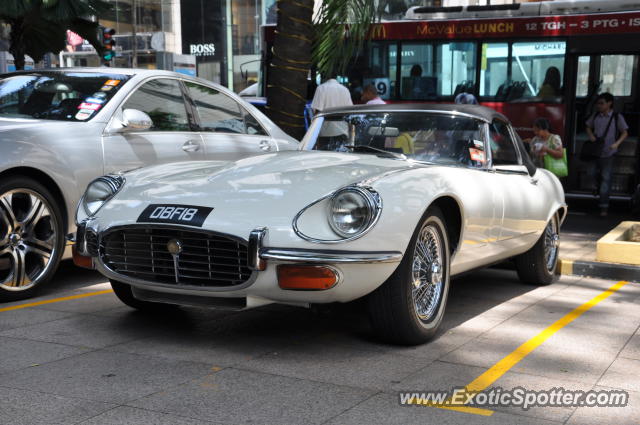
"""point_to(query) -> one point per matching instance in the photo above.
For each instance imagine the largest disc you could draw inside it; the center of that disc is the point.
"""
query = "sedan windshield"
(430, 137)
(57, 96)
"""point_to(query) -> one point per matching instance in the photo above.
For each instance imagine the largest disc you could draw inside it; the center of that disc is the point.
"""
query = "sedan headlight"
(100, 191)
(353, 210)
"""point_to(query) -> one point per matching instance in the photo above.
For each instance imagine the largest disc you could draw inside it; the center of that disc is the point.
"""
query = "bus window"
(582, 79)
(456, 68)
(616, 72)
(381, 71)
(537, 68)
(416, 72)
(493, 68)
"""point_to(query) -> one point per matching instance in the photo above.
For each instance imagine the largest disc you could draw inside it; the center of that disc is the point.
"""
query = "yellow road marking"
(56, 300)
(503, 366)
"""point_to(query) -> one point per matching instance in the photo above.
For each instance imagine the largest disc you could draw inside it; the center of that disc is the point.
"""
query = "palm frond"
(342, 27)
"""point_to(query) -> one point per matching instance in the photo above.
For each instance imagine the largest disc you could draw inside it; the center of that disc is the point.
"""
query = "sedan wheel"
(408, 308)
(31, 238)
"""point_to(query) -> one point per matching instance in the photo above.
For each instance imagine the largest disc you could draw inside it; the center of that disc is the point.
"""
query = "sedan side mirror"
(135, 120)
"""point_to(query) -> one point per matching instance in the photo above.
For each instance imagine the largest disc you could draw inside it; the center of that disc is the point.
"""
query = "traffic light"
(108, 43)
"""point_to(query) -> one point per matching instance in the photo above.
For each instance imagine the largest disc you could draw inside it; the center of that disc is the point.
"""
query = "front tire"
(31, 237)
(125, 294)
(408, 308)
(538, 265)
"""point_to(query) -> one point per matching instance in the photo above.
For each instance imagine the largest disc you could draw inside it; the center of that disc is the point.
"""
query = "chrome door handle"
(191, 146)
(265, 145)
(534, 181)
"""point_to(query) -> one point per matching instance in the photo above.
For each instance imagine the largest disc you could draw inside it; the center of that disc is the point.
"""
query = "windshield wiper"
(367, 148)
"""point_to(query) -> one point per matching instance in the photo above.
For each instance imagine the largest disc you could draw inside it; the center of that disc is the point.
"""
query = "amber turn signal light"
(81, 260)
(306, 278)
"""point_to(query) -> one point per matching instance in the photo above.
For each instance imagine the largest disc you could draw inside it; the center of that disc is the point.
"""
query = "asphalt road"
(92, 360)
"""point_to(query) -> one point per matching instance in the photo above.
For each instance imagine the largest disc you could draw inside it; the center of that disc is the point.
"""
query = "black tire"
(31, 246)
(537, 266)
(125, 294)
(392, 310)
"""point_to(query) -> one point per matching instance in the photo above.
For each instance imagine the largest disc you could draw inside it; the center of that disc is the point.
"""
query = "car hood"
(255, 190)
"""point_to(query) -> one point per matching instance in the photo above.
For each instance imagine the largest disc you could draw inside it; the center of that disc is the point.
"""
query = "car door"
(171, 137)
(229, 132)
(523, 199)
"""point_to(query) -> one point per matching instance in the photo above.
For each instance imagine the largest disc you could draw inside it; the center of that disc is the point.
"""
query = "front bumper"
(360, 272)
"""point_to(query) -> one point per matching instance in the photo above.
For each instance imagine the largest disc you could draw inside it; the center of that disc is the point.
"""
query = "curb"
(601, 270)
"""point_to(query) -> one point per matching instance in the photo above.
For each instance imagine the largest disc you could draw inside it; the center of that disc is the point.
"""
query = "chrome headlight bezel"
(369, 196)
(111, 185)
(361, 198)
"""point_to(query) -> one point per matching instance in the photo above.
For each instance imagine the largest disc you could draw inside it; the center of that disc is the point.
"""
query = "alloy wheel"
(28, 239)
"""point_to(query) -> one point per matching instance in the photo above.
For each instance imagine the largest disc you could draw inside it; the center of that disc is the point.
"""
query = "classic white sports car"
(384, 201)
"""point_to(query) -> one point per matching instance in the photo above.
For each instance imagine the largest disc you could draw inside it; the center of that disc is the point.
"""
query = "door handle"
(265, 145)
(191, 146)
(534, 181)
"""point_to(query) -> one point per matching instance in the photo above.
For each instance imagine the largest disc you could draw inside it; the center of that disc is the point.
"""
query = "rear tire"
(31, 237)
(408, 308)
(538, 265)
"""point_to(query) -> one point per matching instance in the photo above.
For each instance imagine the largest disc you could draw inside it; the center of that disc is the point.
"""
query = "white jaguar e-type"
(384, 201)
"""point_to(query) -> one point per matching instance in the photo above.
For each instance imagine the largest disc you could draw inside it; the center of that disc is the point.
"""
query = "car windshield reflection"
(435, 138)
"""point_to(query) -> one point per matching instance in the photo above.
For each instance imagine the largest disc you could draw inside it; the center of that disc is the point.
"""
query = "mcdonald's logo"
(378, 31)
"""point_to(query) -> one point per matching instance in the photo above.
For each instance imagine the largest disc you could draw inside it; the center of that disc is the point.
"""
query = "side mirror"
(135, 120)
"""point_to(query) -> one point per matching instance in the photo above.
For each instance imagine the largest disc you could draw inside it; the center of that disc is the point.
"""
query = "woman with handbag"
(546, 148)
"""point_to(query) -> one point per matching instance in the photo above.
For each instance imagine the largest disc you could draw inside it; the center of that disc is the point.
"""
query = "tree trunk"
(289, 68)
(16, 43)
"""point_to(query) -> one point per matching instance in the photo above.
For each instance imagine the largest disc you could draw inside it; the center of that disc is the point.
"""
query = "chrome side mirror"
(135, 120)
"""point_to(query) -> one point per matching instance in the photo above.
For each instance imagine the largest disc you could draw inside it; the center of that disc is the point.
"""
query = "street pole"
(134, 50)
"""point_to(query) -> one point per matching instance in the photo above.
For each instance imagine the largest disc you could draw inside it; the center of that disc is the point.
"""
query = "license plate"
(175, 214)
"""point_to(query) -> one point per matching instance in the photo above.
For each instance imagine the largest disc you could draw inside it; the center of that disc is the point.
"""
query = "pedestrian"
(330, 94)
(544, 142)
(608, 128)
(370, 96)
(466, 99)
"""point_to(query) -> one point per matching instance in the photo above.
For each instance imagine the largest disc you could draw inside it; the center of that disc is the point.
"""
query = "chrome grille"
(207, 259)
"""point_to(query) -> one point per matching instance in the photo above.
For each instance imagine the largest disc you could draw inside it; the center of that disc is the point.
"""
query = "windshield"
(438, 138)
(56, 95)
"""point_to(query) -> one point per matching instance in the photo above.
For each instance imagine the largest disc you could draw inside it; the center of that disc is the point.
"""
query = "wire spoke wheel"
(427, 273)
(29, 239)
(551, 243)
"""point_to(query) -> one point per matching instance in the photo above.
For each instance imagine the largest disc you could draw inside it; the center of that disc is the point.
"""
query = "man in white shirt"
(330, 94)
(370, 96)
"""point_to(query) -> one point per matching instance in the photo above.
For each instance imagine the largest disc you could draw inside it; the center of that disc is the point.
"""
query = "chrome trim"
(370, 194)
(102, 268)
(256, 238)
(331, 257)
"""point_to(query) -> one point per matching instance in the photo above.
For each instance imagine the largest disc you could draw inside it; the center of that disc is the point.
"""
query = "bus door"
(595, 73)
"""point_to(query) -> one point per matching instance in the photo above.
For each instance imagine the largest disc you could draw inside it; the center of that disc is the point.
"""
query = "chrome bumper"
(334, 257)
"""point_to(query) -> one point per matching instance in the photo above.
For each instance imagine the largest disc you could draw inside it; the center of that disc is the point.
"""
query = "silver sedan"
(60, 129)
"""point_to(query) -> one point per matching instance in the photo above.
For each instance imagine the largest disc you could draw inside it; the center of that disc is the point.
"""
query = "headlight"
(353, 210)
(100, 191)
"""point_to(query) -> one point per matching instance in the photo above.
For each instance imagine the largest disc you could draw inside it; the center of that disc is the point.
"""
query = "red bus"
(502, 54)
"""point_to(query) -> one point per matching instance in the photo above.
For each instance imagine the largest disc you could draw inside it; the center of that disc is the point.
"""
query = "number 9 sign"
(382, 85)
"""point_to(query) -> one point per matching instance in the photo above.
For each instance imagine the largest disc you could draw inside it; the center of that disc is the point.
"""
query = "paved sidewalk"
(95, 361)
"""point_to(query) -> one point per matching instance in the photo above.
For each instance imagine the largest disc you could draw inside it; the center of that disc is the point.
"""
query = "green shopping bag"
(557, 166)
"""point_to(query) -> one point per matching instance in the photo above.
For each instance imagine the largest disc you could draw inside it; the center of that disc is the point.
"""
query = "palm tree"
(330, 42)
(39, 26)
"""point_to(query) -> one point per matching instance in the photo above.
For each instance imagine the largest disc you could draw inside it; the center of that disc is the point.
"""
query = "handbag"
(557, 166)
(593, 150)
